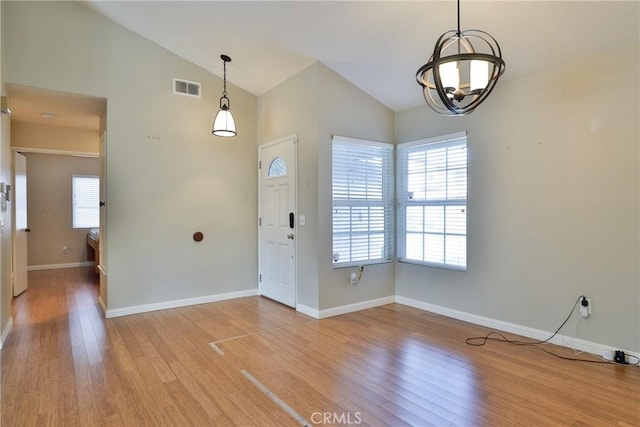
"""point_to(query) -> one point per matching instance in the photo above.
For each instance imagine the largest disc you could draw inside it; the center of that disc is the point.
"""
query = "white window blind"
(362, 201)
(86, 201)
(432, 197)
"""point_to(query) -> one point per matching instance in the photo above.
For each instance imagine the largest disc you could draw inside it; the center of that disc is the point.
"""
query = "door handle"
(290, 236)
(291, 220)
(102, 204)
(27, 230)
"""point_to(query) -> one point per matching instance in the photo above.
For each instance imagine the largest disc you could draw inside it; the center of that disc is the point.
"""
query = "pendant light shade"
(223, 124)
(462, 72)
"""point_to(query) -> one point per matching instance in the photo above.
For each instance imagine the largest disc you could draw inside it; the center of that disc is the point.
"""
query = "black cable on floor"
(480, 341)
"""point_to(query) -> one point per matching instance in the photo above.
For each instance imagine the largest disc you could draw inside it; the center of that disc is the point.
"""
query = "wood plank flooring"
(64, 365)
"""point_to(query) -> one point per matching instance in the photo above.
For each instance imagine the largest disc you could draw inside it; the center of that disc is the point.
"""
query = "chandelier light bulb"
(450, 77)
(479, 78)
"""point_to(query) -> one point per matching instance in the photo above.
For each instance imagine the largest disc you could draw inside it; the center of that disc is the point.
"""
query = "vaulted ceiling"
(378, 46)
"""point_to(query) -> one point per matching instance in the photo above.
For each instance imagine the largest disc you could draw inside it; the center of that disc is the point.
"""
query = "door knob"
(290, 236)
(27, 230)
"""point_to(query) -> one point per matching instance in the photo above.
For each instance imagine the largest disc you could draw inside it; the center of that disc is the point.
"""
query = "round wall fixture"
(198, 236)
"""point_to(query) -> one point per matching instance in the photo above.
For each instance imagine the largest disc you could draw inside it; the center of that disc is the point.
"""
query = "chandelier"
(462, 72)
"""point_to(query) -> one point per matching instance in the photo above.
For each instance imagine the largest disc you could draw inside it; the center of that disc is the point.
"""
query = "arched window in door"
(278, 167)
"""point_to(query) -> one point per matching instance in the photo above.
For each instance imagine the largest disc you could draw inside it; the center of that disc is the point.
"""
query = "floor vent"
(185, 87)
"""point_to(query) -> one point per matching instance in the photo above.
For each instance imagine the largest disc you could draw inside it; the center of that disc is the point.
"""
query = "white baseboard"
(344, 309)
(537, 334)
(525, 331)
(305, 309)
(6, 331)
(56, 266)
(137, 309)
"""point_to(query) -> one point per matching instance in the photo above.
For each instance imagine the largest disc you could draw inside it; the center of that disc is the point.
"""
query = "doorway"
(277, 259)
(62, 135)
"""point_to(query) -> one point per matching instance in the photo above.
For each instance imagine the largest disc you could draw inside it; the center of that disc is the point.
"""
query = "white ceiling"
(53, 108)
(377, 46)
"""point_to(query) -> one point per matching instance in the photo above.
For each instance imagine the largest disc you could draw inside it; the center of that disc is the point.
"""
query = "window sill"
(337, 266)
(433, 264)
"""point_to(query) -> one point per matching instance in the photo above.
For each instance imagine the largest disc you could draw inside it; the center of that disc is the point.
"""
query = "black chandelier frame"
(461, 100)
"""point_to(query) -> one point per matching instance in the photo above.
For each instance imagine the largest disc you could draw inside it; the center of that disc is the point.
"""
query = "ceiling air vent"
(185, 87)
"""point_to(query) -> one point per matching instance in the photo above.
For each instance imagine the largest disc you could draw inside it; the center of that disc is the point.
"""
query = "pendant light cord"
(458, 17)
(458, 33)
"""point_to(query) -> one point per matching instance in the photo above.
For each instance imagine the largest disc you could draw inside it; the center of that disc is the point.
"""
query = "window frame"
(402, 203)
(387, 202)
(73, 202)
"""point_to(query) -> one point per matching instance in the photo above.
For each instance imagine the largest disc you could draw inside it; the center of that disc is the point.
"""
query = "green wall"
(553, 201)
(167, 176)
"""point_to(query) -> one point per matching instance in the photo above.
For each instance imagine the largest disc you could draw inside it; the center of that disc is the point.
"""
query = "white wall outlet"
(354, 278)
(585, 311)
(302, 220)
(65, 249)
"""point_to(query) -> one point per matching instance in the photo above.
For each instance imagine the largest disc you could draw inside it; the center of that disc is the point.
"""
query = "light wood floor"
(64, 365)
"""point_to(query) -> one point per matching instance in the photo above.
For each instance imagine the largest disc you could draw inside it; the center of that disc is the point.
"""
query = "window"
(362, 201)
(85, 192)
(432, 201)
(278, 167)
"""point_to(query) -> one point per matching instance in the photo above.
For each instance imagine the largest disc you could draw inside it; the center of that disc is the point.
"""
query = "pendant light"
(224, 125)
(462, 72)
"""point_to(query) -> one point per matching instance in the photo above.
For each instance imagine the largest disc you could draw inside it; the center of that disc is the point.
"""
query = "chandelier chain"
(224, 91)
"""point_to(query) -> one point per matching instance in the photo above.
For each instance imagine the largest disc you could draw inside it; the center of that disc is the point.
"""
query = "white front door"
(277, 223)
(21, 228)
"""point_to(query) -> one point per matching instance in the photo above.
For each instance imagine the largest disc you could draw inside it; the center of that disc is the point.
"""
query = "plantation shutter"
(86, 201)
(433, 201)
(362, 201)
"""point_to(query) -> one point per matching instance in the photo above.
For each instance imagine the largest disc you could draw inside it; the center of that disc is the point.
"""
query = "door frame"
(294, 139)
(102, 244)
(35, 150)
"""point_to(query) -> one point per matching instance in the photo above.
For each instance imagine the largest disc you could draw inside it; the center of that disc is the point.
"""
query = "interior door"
(277, 223)
(20, 227)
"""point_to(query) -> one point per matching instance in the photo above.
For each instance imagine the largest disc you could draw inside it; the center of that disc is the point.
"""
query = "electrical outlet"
(590, 306)
(354, 278)
(585, 307)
